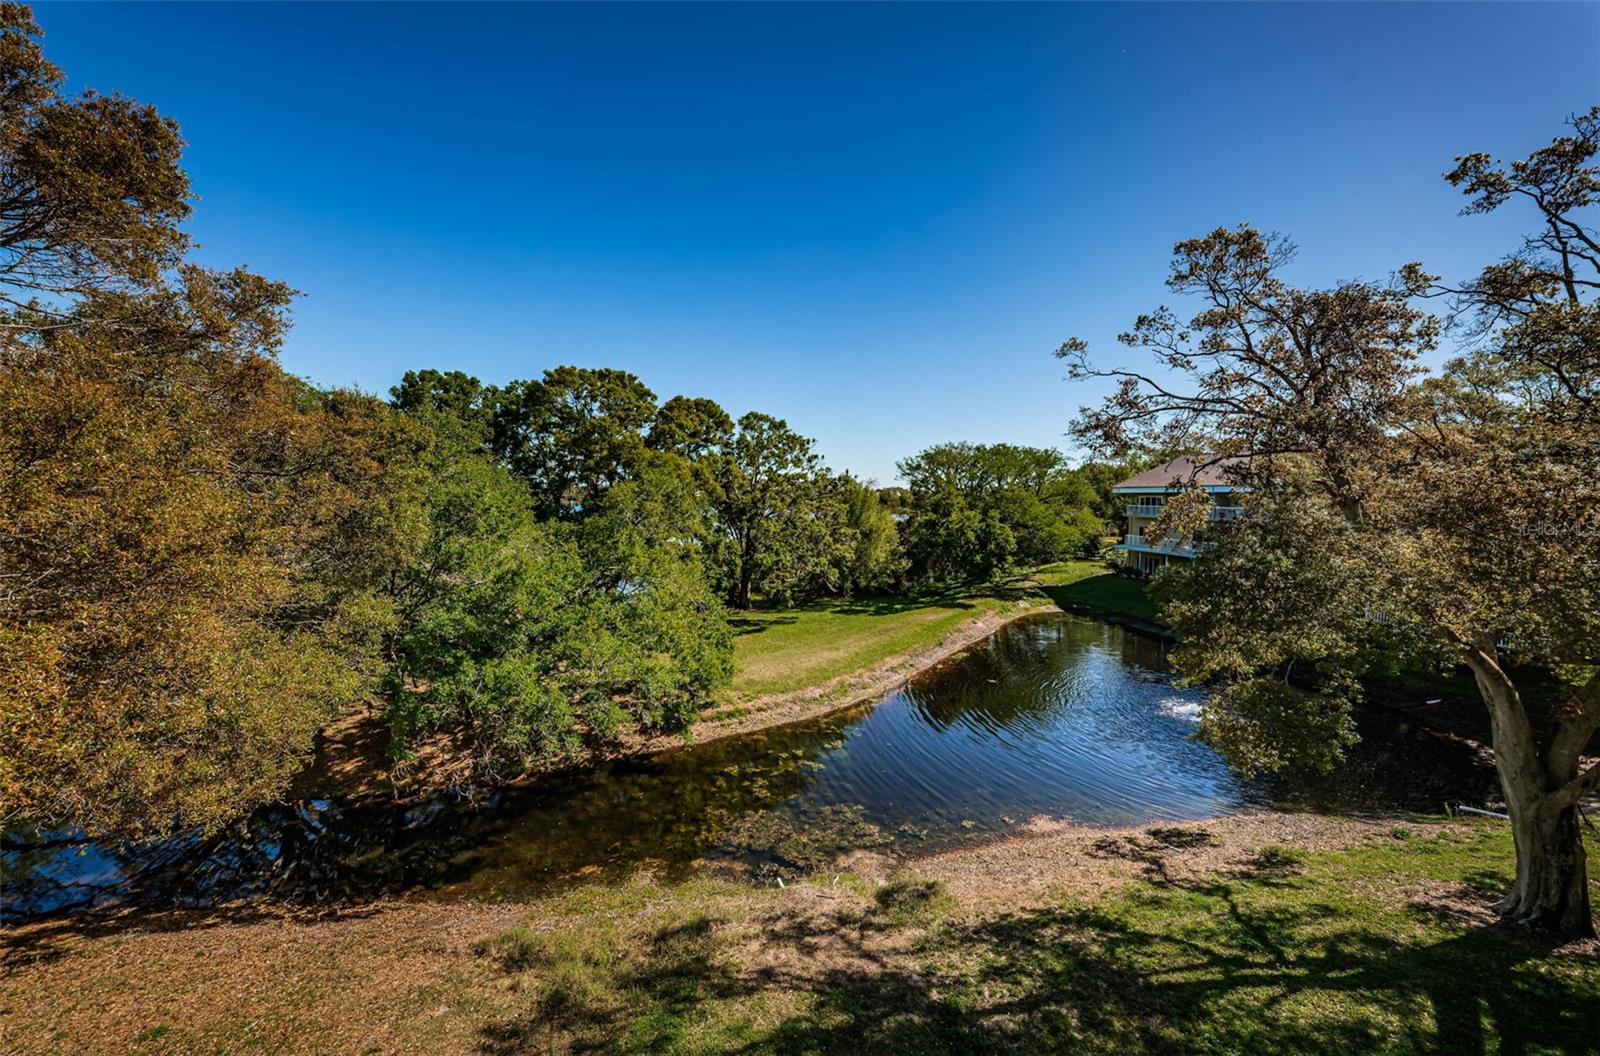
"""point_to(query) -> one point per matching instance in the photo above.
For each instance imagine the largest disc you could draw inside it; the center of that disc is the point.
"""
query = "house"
(1147, 493)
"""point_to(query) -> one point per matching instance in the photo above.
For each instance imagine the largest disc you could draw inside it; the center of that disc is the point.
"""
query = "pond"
(1056, 717)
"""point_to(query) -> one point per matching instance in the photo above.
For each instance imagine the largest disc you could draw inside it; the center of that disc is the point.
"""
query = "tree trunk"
(1542, 788)
(1551, 893)
(745, 575)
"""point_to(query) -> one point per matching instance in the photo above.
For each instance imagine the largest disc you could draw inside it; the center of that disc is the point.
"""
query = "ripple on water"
(1057, 717)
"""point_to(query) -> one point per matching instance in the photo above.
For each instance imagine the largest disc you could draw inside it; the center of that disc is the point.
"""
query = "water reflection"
(1062, 717)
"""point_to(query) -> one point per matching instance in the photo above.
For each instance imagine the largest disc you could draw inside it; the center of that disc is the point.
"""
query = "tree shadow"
(1104, 595)
(50, 938)
(1177, 967)
(743, 625)
(897, 604)
(1054, 981)
(590, 1000)
(887, 605)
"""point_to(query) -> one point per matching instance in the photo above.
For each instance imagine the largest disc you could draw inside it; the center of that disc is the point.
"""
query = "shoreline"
(858, 687)
(352, 765)
(417, 976)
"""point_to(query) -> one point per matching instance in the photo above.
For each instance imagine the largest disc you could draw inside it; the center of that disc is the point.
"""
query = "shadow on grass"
(1104, 594)
(51, 938)
(596, 1000)
(758, 620)
(746, 625)
(1179, 967)
(894, 606)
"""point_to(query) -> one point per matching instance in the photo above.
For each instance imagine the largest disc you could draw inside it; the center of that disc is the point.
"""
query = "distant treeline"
(203, 559)
(770, 522)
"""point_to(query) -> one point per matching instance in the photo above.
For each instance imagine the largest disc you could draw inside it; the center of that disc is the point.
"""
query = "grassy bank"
(789, 664)
(1379, 948)
(788, 650)
(1271, 934)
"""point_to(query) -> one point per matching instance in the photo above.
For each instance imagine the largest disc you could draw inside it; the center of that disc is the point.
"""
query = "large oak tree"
(1395, 516)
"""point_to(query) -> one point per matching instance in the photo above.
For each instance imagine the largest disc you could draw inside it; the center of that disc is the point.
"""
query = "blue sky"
(875, 221)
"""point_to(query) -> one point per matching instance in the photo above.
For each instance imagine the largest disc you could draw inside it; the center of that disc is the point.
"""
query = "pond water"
(1057, 717)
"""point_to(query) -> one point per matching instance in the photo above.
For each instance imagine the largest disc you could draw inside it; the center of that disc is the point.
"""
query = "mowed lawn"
(1386, 947)
(783, 650)
(1210, 938)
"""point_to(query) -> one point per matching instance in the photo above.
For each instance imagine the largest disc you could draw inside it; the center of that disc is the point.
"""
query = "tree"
(781, 519)
(572, 435)
(193, 545)
(1273, 371)
(452, 396)
(1031, 493)
(692, 427)
(1507, 538)
(521, 639)
(1394, 517)
(91, 189)
(950, 542)
(875, 563)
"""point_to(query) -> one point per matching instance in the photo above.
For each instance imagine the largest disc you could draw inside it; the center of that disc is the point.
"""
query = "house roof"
(1207, 471)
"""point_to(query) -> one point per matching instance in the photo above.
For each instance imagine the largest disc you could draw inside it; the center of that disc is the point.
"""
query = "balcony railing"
(1182, 547)
(1215, 513)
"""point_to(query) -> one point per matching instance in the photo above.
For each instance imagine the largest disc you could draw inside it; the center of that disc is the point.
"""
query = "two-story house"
(1147, 493)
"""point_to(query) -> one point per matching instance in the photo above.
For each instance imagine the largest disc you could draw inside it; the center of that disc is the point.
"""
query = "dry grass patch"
(1271, 934)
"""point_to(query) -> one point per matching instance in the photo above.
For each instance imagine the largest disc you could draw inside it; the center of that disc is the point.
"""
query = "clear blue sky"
(876, 222)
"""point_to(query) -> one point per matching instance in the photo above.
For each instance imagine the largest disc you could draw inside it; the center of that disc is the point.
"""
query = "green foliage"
(949, 542)
(1280, 618)
(1266, 724)
(462, 648)
(451, 401)
(876, 563)
(1049, 527)
(661, 635)
(692, 427)
(194, 545)
(979, 510)
(523, 637)
(572, 434)
(780, 515)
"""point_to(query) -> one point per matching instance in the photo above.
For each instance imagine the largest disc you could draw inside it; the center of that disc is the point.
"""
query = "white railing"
(1137, 541)
(1215, 513)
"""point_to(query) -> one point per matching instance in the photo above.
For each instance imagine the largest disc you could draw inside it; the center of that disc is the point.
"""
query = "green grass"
(1293, 954)
(782, 650)
(1104, 594)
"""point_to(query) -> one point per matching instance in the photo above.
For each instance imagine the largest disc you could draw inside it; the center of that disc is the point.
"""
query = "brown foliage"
(189, 538)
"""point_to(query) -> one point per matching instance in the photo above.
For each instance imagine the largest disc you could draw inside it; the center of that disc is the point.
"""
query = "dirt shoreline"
(858, 687)
(352, 759)
(410, 976)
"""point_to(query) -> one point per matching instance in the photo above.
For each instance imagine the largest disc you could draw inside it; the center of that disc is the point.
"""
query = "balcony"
(1175, 547)
(1215, 513)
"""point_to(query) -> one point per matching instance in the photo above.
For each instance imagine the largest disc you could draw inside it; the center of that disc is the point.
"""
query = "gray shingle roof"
(1199, 469)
